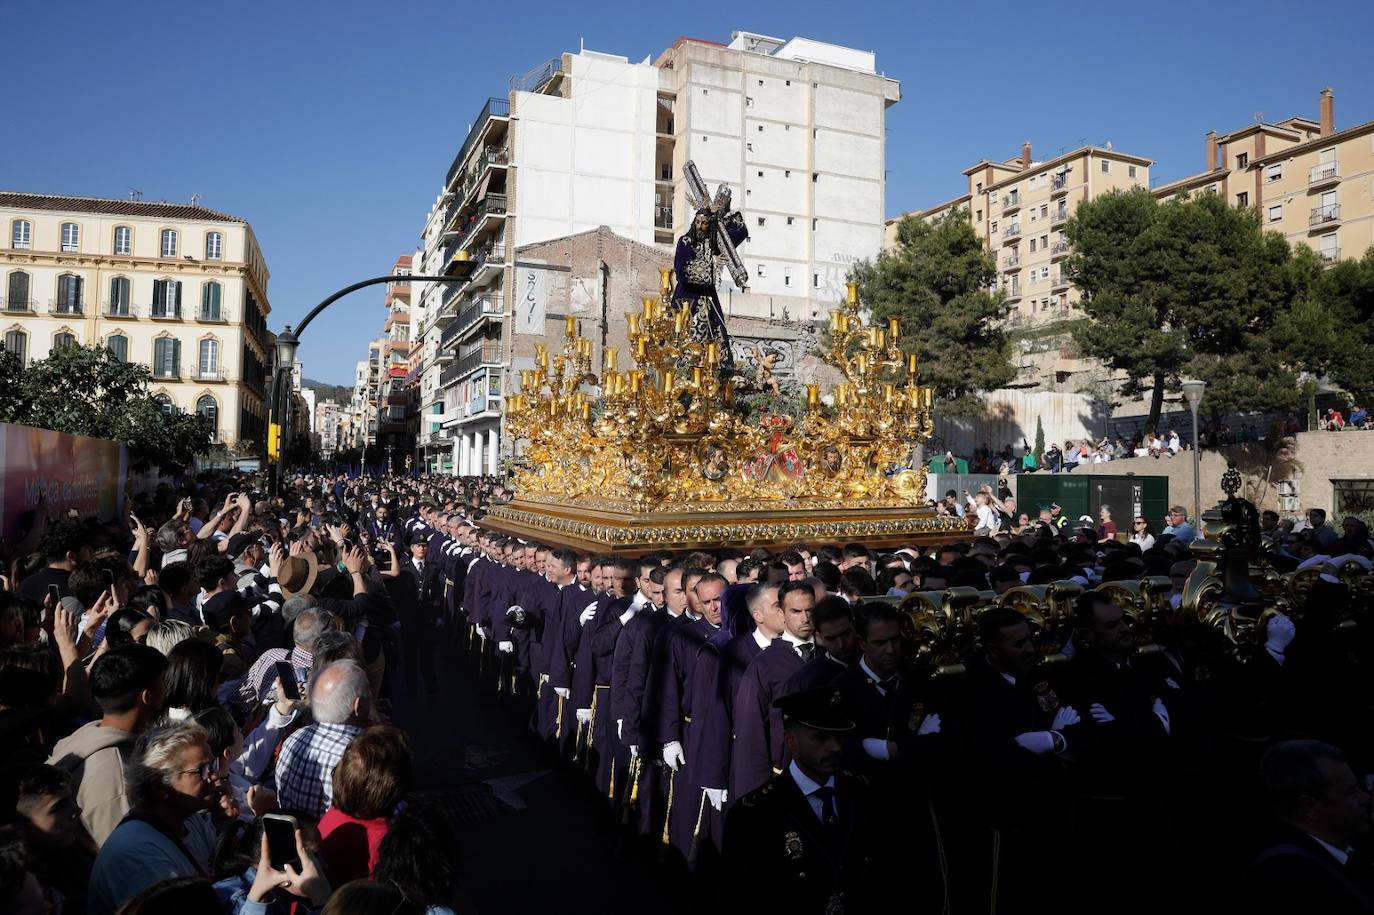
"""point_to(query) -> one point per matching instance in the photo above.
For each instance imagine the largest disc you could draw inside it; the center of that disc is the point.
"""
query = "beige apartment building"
(177, 287)
(1309, 181)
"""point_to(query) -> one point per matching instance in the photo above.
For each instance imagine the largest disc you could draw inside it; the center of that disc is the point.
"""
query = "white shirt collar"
(1341, 855)
(808, 786)
(760, 639)
(639, 599)
(794, 640)
(877, 680)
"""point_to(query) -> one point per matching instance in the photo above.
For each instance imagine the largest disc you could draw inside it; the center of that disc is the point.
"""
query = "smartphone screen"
(281, 840)
(287, 674)
(109, 579)
(55, 594)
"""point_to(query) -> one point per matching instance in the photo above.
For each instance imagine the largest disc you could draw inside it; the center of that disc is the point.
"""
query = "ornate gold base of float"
(603, 526)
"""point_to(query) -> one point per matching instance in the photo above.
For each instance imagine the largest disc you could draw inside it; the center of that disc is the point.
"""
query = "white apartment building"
(328, 417)
(796, 128)
(177, 287)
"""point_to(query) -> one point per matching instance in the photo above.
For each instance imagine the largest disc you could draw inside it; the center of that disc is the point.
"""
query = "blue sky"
(329, 126)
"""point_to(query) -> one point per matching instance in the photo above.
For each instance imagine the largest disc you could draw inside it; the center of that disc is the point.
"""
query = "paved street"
(515, 813)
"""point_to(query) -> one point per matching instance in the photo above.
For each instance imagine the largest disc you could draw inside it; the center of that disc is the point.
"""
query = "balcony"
(488, 352)
(207, 374)
(168, 374)
(492, 207)
(1325, 175)
(1059, 184)
(1059, 216)
(663, 217)
(1059, 249)
(1012, 204)
(66, 309)
(164, 312)
(1330, 255)
(1059, 281)
(18, 306)
(123, 311)
(1014, 294)
(474, 311)
(1325, 215)
(494, 108)
(1013, 262)
(1011, 231)
(212, 317)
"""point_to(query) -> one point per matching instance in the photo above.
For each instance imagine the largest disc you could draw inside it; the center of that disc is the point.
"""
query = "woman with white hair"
(160, 837)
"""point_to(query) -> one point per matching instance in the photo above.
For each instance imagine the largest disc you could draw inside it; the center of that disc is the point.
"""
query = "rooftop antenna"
(195, 200)
(135, 193)
(1259, 117)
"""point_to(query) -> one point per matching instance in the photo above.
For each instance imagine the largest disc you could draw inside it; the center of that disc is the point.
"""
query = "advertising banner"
(68, 472)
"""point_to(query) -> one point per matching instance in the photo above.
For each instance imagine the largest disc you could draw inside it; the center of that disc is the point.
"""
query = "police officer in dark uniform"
(810, 840)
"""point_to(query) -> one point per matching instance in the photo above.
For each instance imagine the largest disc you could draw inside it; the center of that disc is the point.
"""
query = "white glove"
(619, 728)
(584, 715)
(876, 748)
(517, 611)
(634, 752)
(672, 755)
(1100, 714)
(505, 647)
(1161, 713)
(563, 693)
(1278, 634)
(715, 796)
(587, 615)
(930, 724)
(1065, 717)
(1038, 742)
(482, 632)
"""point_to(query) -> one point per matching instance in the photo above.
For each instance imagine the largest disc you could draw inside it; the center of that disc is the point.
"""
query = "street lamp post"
(1192, 392)
(288, 341)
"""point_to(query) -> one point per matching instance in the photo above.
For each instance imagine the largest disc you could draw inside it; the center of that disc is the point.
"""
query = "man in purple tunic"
(759, 752)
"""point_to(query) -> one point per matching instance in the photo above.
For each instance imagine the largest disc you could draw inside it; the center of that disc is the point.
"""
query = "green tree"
(85, 390)
(938, 280)
(1329, 331)
(1187, 287)
(1039, 437)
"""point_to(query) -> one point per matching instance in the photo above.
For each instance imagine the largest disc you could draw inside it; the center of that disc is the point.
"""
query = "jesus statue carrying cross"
(715, 232)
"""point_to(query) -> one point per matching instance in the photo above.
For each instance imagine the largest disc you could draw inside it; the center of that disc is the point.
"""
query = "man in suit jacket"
(810, 840)
(418, 594)
(1310, 864)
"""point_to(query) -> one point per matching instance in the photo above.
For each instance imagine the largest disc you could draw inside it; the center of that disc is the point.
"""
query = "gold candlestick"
(813, 396)
(696, 377)
(894, 329)
(712, 353)
(836, 321)
(632, 317)
(571, 329)
(635, 383)
(861, 364)
(852, 293)
(680, 322)
(609, 358)
(641, 348)
(913, 363)
(668, 383)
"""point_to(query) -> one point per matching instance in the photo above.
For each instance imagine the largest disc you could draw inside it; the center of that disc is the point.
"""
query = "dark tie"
(807, 649)
(826, 794)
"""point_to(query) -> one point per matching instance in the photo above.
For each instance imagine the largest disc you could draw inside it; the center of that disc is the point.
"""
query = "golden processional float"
(1222, 617)
(656, 455)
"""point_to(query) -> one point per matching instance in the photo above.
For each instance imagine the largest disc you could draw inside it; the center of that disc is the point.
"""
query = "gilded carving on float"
(663, 435)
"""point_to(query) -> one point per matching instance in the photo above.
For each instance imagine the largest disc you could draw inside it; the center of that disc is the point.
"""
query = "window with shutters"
(69, 294)
(119, 296)
(17, 342)
(17, 292)
(123, 240)
(164, 403)
(166, 358)
(210, 295)
(63, 340)
(71, 237)
(207, 407)
(118, 345)
(21, 234)
(169, 243)
(214, 246)
(209, 358)
(166, 298)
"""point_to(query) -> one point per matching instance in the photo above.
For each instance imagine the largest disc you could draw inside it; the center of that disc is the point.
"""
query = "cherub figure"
(766, 359)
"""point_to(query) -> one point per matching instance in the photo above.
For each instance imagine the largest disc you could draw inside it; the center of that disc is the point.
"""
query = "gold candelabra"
(664, 433)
